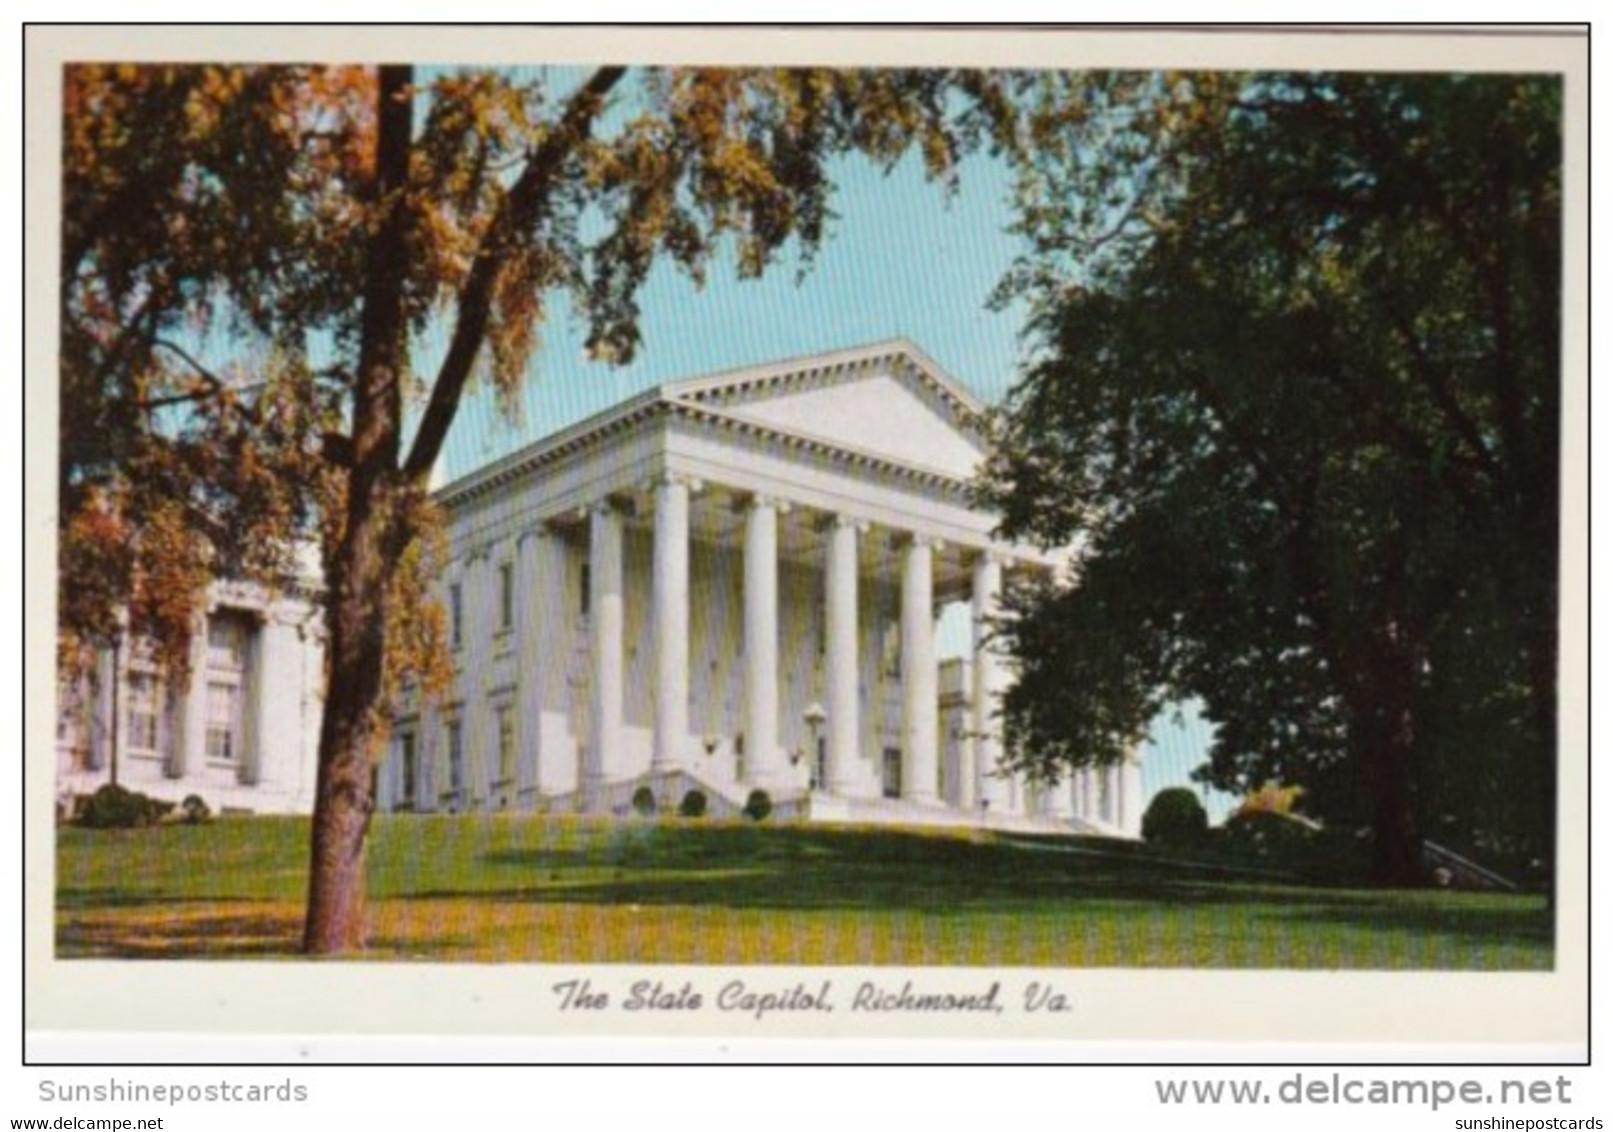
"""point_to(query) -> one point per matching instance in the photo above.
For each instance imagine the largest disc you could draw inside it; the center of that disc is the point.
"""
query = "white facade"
(241, 733)
(728, 584)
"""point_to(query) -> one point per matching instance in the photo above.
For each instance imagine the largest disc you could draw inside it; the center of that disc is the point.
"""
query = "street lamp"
(814, 717)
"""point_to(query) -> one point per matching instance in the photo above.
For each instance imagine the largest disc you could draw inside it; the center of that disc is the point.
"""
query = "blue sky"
(904, 257)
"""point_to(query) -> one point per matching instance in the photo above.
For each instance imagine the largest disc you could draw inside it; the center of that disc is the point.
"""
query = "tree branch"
(518, 212)
(215, 386)
(1444, 399)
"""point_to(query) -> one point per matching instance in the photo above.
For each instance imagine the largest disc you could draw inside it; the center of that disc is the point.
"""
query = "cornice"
(632, 415)
(704, 398)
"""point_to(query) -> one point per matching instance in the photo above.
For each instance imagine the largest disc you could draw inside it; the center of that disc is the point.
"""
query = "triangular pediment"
(892, 403)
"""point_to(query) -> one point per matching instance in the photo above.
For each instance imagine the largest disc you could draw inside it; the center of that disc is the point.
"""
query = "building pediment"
(888, 401)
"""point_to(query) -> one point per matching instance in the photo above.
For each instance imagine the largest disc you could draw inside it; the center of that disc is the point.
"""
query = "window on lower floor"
(142, 718)
(223, 720)
(505, 720)
(408, 760)
(892, 776)
(456, 756)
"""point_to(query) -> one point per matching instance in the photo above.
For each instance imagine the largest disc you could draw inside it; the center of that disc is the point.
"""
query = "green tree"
(1296, 406)
(250, 255)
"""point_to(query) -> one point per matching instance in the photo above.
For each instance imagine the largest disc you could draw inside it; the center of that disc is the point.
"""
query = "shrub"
(1313, 853)
(1262, 833)
(644, 802)
(1175, 817)
(194, 811)
(114, 807)
(758, 805)
(693, 804)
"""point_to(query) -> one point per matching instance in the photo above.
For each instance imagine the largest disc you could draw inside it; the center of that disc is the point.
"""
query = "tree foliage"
(251, 255)
(1296, 406)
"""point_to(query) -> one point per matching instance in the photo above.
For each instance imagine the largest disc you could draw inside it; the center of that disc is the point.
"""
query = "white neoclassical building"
(241, 732)
(735, 583)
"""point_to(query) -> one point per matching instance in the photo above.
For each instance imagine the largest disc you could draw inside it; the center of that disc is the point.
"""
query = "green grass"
(552, 889)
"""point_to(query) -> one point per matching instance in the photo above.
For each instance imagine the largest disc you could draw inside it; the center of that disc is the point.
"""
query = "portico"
(731, 583)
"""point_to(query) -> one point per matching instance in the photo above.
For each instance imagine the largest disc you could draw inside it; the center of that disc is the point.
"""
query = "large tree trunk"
(359, 569)
(1385, 737)
(1397, 857)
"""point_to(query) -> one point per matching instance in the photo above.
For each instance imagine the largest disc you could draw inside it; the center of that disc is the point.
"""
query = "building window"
(456, 757)
(226, 642)
(892, 783)
(820, 764)
(143, 716)
(223, 720)
(586, 585)
(456, 615)
(68, 710)
(411, 768)
(226, 669)
(505, 720)
(506, 596)
(739, 758)
(891, 648)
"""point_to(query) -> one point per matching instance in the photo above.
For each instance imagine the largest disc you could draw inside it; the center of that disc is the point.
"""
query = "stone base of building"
(725, 801)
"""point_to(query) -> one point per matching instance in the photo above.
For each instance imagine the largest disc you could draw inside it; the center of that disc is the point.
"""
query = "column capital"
(842, 521)
(759, 501)
(910, 540)
(530, 533)
(670, 478)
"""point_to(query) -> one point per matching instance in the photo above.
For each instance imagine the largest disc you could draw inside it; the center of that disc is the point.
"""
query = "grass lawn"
(561, 889)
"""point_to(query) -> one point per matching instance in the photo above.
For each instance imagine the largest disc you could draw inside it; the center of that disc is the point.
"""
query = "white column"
(263, 660)
(1131, 795)
(477, 596)
(1056, 799)
(608, 616)
(103, 719)
(763, 759)
(189, 747)
(670, 598)
(841, 613)
(919, 680)
(987, 729)
(532, 661)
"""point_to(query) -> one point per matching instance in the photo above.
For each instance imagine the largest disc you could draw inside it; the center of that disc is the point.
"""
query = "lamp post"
(814, 717)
